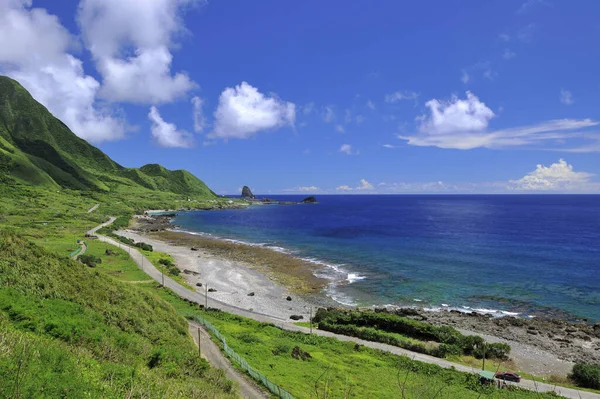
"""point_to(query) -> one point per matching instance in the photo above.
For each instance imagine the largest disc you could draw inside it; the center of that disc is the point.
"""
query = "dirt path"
(92, 209)
(199, 298)
(211, 352)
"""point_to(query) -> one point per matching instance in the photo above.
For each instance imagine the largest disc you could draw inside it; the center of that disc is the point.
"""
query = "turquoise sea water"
(528, 255)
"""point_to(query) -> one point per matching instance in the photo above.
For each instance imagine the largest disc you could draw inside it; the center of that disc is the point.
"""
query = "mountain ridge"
(38, 149)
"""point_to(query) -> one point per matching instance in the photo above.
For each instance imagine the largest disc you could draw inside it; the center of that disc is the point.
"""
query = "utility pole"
(483, 366)
(162, 271)
(310, 319)
(199, 343)
(206, 297)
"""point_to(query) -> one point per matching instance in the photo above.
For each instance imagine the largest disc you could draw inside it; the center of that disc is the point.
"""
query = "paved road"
(92, 209)
(211, 352)
(199, 298)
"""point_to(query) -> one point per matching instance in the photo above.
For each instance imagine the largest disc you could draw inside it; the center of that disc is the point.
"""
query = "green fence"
(275, 389)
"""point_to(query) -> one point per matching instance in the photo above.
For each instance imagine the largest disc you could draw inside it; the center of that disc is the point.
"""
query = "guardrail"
(274, 388)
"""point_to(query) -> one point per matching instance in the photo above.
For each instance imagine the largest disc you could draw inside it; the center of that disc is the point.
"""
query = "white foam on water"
(352, 277)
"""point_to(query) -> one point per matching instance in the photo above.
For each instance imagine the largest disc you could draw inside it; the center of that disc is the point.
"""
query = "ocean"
(526, 255)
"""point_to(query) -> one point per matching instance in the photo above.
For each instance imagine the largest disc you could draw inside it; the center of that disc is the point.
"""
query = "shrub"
(89, 260)
(493, 351)
(586, 375)
(144, 246)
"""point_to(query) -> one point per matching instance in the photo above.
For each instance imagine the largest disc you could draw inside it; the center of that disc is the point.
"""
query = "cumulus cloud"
(566, 97)
(400, 96)
(302, 189)
(340, 128)
(507, 55)
(34, 49)
(328, 114)
(364, 185)
(559, 176)
(166, 134)
(462, 124)
(457, 114)
(130, 42)
(198, 114)
(347, 149)
(464, 77)
(243, 112)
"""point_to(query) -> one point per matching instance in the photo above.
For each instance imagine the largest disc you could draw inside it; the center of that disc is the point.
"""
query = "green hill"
(70, 331)
(36, 148)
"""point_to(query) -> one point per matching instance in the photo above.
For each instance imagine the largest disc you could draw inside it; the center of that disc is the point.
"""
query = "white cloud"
(489, 74)
(198, 114)
(308, 108)
(34, 50)
(560, 129)
(531, 4)
(566, 97)
(526, 34)
(340, 128)
(389, 146)
(328, 114)
(360, 119)
(455, 115)
(464, 77)
(364, 185)
(401, 95)
(243, 111)
(559, 176)
(462, 124)
(130, 42)
(343, 188)
(347, 116)
(166, 134)
(308, 189)
(370, 105)
(347, 149)
(504, 37)
(507, 55)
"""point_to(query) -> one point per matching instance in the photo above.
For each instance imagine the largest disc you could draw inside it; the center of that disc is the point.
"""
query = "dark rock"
(186, 271)
(309, 200)
(247, 193)
(299, 354)
(109, 252)
(251, 294)
(194, 249)
(289, 298)
(212, 290)
(296, 317)
(198, 284)
(532, 332)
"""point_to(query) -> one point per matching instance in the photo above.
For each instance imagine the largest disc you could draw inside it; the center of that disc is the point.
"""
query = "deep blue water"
(528, 254)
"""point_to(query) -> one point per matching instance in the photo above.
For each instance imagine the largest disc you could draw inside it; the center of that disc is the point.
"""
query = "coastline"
(540, 346)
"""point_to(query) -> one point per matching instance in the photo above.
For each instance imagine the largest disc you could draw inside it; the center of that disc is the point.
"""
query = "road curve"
(199, 298)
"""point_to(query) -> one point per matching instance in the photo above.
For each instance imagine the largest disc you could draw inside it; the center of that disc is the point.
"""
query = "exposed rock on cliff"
(247, 193)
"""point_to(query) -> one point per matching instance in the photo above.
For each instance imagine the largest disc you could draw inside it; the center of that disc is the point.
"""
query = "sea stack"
(309, 200)
(247, 193)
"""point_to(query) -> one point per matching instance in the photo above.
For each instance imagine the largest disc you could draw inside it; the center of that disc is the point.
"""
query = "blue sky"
(324, 97)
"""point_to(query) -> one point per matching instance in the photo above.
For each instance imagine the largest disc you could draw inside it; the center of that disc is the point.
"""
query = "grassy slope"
(68, 328)
(38, 149)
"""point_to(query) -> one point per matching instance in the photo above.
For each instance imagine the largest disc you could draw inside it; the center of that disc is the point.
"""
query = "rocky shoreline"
(573, 342)
(546, 346)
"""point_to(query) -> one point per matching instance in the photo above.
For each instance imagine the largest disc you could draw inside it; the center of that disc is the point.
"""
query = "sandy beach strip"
(245, 280)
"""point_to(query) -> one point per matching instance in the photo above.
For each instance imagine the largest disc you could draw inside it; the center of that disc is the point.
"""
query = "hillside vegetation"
(69, 331)
(36, 148)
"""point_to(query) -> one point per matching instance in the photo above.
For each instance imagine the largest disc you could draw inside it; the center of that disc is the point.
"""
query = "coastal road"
(285, 324)
(211, 352)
